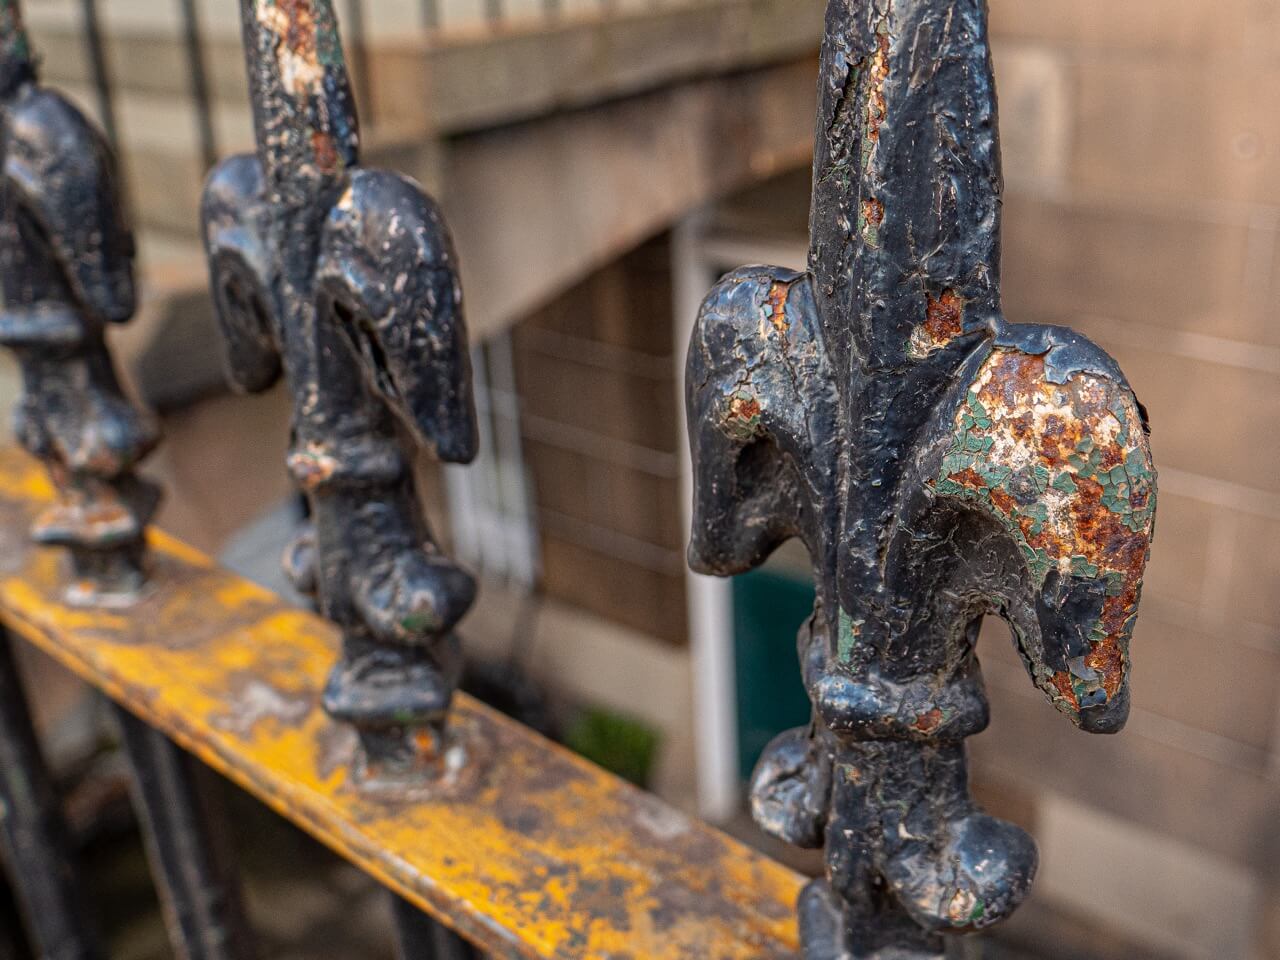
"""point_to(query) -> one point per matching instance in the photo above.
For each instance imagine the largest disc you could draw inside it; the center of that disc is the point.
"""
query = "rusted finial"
(66, 265)
(347, 276)
(940, 463)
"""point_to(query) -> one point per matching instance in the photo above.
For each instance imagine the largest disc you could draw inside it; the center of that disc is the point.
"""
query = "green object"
(768, 609)
(620, 744)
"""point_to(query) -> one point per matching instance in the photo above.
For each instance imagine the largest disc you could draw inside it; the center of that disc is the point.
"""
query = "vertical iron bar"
(430, 14)
(419, 937)
(101, 74)
(360, 58)
(36, 845)
(201, 902)
(493, 11)
(199, 79)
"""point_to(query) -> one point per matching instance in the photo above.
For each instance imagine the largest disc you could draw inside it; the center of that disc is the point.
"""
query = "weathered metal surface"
(539, 855)
(36, 848)
(66, 267)
(940, 464)
(200, 899)
(347, 278)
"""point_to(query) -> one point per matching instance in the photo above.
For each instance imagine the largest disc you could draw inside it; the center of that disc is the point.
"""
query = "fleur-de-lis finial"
(346, 277)
(940, 463)
(66, 266)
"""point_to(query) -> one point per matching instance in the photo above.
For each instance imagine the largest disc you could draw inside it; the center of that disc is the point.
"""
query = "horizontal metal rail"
(527, 851)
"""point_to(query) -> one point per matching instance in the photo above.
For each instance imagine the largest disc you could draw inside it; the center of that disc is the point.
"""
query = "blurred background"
(601, 162)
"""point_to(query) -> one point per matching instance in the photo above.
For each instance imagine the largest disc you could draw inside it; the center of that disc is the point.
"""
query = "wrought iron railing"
(939, 463)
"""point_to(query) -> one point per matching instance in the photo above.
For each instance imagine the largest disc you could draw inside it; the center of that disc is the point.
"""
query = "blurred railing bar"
(201, 904)
(420, 937)
(358, 41)
(199, 79)
(101, 74)
(430, 14)
(39, 858)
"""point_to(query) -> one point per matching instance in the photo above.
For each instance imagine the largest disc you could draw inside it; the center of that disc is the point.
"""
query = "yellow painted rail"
(533, 853)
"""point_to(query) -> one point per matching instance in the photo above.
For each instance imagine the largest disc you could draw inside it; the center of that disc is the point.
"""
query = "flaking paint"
(541, 856)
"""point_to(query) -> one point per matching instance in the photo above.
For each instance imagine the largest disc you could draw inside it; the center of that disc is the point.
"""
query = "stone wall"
(1143, 165)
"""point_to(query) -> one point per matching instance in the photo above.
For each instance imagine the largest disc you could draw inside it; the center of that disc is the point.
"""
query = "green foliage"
(620, 744)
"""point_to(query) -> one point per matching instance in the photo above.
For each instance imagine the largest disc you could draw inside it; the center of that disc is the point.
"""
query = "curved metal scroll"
(346, 279)
(940, 464)
(66, 266)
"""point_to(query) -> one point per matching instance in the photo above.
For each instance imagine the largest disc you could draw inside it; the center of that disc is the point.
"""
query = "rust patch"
(943, 322)
(312, 467)
(870, 217)
(744, 408)
(928, 723)
(297, 53)
(742, 418)
(325, 152)
(1066, 470)
(300, 25)
(878, 74)
(871, 211)
(777, 302)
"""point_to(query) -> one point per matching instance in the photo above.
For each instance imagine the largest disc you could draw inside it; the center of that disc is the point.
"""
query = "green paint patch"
(742, 419)
(847, 635)
(417, 623)
(1038, 498)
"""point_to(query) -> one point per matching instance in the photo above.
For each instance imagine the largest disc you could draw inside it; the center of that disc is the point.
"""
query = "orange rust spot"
(1016, 379)
(744, 408)
(1059, 438)
(1108, 659)
(778, 306)
(877, 109)
(929, 722)
(1003, 501)
(300, 29)
(944, 317)
(325, 151)
(1062, 683)
(969, 477)
(873, 212)
(1022, 427)
(1100, 536)
(943, 322)
(310, 469)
